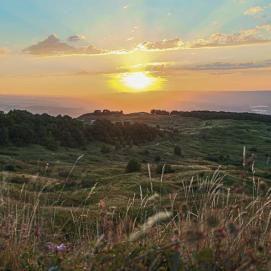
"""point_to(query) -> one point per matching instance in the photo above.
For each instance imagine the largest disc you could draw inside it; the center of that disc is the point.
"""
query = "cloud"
(254, 11)
(266, 27)
(53, 46)
(171, 67)
(151, 67)
(76, 38)
(92, 50)
(249, 36)
(259, 34)
(161, 45)
(231, 66)
(77, 45)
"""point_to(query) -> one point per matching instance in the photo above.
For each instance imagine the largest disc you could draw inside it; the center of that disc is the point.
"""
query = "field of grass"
(78, 209)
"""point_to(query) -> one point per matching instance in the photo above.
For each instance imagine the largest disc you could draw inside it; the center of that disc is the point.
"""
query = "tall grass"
(202, 225)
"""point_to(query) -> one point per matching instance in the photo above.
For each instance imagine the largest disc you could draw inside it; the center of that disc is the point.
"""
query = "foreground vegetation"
(196, 197)
(202, 225)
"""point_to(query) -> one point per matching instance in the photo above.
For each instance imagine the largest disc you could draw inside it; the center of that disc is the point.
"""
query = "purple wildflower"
(56, 248)
(61, 248)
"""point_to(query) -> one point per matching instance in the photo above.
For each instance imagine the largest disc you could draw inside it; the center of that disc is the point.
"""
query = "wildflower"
(51, 247)
(102, 204)
(61, 248)
(56, 248)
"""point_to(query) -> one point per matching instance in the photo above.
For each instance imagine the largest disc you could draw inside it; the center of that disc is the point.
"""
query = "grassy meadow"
(201, 200)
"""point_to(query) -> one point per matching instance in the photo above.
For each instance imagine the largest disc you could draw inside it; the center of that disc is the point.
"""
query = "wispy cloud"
(249, 36)
(162, 45)
(78, 44)
(76, 38)
(259, 34)
(171, 67)
(252, 11)
(258, 11)
(266, 27)
(231, 66)
(54, 46)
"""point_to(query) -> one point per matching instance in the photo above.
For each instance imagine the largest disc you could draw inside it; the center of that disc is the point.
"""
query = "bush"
(133, 166)
(178, 150)
(18, 180)
(51, 144)
(146, 152)
(105, 149)
(9, 168)
(157, 158)
(67, 174)
(167, 169)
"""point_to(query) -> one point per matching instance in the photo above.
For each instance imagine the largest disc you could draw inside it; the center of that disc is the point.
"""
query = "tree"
(133, 166)
(51, 144)
(4, 137)
(21, 128)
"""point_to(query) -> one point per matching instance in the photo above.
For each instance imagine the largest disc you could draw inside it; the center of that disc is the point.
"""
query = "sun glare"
(137, 80)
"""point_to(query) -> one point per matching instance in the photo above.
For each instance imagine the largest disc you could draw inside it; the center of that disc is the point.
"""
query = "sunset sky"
(133, 54)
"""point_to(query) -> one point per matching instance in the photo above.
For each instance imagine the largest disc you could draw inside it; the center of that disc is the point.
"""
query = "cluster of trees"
(122, 133)
(21, 128)
(210, 115)
(107, 112)
(159, 112)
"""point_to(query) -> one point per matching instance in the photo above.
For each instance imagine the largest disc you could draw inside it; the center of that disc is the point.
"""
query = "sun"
(137, 80)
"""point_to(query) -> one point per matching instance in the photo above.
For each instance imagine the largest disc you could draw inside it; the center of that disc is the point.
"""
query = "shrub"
(253, 149)
(18, 180)
(51, 144)
(157, 158)
(167, 169)
(67, 174)
(9, 168)
(105, 149)
(133, 166)
(146, 152)
(178, 150)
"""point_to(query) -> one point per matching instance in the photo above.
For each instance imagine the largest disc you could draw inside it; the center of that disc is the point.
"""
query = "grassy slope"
(206, 145)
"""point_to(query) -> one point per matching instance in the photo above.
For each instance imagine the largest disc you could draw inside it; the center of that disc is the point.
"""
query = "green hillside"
(195, 193)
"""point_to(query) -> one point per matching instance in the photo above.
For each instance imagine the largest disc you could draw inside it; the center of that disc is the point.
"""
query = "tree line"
(211, 115)
(21, 128)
